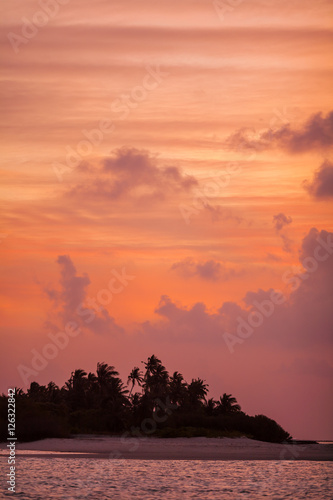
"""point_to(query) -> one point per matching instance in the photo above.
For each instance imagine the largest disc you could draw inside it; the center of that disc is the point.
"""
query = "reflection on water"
(79, 478)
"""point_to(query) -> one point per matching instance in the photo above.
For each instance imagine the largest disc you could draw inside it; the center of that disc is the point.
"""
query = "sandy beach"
(200, 448)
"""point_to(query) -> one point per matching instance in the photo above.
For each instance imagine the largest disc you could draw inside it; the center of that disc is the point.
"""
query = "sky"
(167, 186)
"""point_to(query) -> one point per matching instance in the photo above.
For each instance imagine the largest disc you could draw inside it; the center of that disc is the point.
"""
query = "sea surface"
(101, 479)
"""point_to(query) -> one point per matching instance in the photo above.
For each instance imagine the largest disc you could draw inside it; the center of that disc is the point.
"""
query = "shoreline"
(196, 448)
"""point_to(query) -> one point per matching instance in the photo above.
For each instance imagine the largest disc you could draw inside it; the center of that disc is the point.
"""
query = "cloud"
(315, 134)
(210, 270)
(69, 303)
(321, 186)
(281, 220)
(218, 213)
(302, 319)
(286, 243)
(132, 172)
(273, 258)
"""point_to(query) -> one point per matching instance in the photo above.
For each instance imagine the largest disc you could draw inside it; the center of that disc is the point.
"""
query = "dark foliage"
(166, 406)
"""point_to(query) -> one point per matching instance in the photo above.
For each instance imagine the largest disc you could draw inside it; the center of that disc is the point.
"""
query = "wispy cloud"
(280, 221)
(209, 270)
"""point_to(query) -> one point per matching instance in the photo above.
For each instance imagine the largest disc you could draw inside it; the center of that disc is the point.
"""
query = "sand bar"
(150, 448)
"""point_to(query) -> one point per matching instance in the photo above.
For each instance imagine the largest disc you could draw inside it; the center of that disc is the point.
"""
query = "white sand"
(171, 449)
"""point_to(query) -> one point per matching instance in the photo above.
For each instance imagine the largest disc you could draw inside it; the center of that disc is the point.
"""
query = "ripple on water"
(78, 478)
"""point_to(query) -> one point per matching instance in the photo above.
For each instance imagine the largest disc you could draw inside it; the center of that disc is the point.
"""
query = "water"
(101, 479)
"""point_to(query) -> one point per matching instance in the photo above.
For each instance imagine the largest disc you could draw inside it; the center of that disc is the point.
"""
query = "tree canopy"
(101, 403)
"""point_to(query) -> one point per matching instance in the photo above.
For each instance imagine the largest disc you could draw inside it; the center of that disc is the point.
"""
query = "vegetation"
(165, 406)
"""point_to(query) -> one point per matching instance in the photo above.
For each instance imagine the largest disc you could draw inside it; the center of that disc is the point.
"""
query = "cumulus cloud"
(321, 186)
(297, 320)
(70, 302)
(210, 270)
(315, 134)
(280, 220)
(132, 172)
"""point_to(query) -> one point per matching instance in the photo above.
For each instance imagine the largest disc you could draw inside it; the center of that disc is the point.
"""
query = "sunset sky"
(187, 145)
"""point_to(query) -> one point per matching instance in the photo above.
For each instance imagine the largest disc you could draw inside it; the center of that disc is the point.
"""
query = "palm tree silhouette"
(210, 406)
(100, 403)
(177, 388)
(228, 404)
(75, 389)
(152, 363)
(151, 366)
(197, 390)
(105, 373)
(135, 377)
(106, 380)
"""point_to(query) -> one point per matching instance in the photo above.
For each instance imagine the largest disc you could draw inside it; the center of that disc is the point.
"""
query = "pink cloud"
(267, 318)
(321, 186)
(71, 303)
(315, 134)
(209, 270)
(132, 172)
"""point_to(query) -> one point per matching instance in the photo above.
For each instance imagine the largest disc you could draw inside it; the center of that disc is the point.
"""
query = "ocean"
(101, 479)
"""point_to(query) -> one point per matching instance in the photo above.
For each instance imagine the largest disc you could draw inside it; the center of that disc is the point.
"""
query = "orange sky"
(190, 144)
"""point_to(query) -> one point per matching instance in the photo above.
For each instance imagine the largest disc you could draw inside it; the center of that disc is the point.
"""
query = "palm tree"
(92, 379)
(105, 373)
(37, 392)
(152, 363)
(210, 406)
(197, 390)
(79, 379)
(92, 390)
(53, 392)
(151, 366)
(135, 377)
(177, 388)
(75, 389)
(159, 382)
(228, 404)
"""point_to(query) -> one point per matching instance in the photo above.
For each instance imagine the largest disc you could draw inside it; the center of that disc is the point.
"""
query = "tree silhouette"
(228, 404)
(210, 406)
(135, 377)
(197, 391)
(156, 377)
(105, 373)
(75, 389)
(177, 388)
(90, 403)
